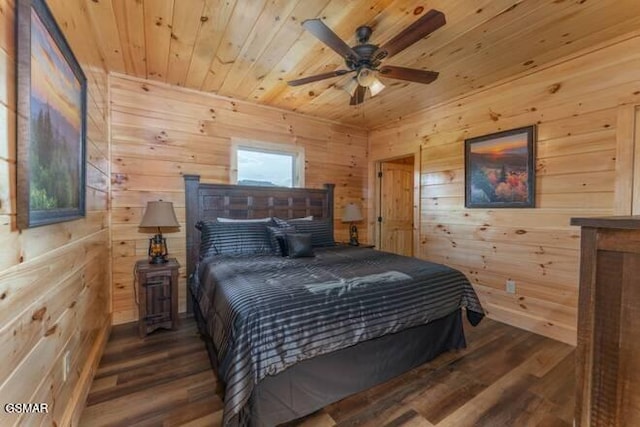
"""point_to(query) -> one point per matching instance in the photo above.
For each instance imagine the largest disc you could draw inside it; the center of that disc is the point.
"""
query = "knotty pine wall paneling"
(575, 104)
(161, 132)
(54, 280)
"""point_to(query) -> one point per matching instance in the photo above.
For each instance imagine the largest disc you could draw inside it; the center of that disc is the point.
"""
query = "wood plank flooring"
(505, 377)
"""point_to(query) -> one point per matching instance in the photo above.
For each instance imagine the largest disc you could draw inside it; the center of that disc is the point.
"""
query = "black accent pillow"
(283, 249)
(218, 238)
(279, 232)
(321, 231)
(299, 245)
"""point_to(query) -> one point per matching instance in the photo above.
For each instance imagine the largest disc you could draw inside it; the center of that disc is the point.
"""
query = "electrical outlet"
(511, 286)
(66, 366)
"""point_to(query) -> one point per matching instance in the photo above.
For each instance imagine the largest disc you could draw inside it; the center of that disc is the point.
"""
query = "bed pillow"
(321, 231)
(221, 238)
(283, 249)
(219, 219)
(285, 222)
(200, 224)
(277, 238)
(207, 243)
(299, 245)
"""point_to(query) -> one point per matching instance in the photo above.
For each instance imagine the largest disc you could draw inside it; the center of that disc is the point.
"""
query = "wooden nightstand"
(157, 295)
(361, 245)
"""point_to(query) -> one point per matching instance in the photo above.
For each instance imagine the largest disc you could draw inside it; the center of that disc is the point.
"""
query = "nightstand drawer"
(157, 281)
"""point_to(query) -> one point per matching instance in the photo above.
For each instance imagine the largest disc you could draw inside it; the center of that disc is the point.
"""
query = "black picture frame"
(500, 169)
(51, 121)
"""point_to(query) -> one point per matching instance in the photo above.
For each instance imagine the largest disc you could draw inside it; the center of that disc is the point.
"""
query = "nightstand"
(361, 245)
(156, 295)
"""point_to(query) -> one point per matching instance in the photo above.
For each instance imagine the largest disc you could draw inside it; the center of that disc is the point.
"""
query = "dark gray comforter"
(265, 313)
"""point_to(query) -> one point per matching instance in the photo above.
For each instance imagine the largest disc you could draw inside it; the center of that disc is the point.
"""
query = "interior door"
(396, 207)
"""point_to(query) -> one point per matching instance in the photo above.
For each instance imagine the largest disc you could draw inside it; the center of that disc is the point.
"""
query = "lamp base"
(158, 249)
(158, 260)
(353, 240)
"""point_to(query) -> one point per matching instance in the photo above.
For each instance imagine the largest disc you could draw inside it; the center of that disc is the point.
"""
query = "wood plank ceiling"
(248, 49)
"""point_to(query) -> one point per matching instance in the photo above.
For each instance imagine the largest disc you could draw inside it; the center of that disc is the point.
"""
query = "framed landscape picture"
(51, 123)
(500, 170)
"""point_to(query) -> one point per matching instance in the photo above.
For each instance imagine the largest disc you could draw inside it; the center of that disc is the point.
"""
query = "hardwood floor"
(505, 377)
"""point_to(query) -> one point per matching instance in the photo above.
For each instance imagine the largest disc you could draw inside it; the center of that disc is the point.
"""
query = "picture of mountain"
(55, 146)
(499, 169)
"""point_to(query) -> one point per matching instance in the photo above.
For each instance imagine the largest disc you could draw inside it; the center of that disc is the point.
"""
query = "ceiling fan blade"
(311, 79)
(331, 39)
(421, 28)
(358, 97)
(408, 74)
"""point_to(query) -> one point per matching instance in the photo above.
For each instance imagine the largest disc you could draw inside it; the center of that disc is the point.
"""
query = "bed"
(289, 335)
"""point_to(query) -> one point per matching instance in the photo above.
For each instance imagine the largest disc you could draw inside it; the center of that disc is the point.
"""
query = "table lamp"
(352, 214)
(156, 215)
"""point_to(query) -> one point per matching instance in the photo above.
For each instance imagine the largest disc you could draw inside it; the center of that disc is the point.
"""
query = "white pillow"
(268, 219)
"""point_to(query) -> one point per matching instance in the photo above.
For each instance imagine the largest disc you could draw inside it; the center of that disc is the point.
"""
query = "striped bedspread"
(265, 313)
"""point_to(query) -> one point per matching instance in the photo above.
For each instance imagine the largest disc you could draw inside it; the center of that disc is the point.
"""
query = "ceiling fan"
(364, 59)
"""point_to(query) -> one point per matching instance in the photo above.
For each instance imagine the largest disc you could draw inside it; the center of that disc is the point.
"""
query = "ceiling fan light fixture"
(366, 77)
(376, 86)
(351, 86)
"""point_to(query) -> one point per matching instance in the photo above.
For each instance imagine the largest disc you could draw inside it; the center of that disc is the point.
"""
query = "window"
(267, 164)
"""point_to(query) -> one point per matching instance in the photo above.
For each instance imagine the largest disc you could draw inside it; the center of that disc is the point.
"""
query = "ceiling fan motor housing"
(365, 52)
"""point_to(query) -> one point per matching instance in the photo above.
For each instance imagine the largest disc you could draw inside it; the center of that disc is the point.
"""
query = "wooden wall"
(160, 132)
(576, 104)
(54, 280)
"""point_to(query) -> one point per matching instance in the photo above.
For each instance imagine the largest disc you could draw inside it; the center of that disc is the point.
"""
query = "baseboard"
(72, 413)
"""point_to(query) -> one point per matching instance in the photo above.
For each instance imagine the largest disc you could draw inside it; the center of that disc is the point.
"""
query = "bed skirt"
(314, 383)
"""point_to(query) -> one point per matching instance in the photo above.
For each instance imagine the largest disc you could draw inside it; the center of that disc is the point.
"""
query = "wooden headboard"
(210, 201)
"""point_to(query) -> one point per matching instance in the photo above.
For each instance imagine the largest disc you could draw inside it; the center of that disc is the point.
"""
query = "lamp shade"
(159, 214)
(351, 213)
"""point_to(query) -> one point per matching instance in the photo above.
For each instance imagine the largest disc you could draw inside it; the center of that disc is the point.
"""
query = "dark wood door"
(158, 301)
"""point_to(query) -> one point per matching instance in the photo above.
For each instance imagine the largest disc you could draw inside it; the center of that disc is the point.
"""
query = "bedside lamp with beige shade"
(159, 215)
(352, 214)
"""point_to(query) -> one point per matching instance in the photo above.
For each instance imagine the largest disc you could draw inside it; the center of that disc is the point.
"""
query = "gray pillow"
(267, 219)
(220, 238)
(321, 231)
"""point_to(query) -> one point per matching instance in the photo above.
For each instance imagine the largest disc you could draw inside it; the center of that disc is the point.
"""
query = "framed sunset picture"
(51, 124)
(500, 169)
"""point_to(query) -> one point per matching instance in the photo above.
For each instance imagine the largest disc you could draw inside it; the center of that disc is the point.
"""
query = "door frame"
(627, 182)
(417, 161)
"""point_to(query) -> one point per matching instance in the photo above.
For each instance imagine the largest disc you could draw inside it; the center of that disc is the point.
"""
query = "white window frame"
(295, 151)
